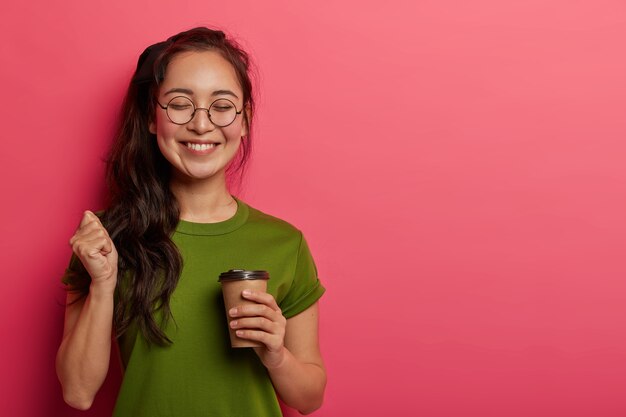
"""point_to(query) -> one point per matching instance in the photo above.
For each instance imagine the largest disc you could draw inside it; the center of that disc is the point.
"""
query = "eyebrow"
(189, 92)
(224, 93)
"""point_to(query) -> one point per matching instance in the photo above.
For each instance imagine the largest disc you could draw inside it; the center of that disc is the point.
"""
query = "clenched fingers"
(93, 246)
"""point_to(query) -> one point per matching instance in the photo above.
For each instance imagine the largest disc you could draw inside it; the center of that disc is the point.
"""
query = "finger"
(92, 217)
(98, 223)
(88, 228)
(253, 310)
(92, 248)
(88, 223)
(85, 221)
(261, 297)
(87, 218)
(270, 341)
(89, 232)
(256, 323)
(100, 245)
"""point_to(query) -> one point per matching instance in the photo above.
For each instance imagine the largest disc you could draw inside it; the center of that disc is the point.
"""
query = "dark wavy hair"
(142, 211)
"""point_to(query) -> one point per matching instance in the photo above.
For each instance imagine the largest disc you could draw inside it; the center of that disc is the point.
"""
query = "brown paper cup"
(233, 283)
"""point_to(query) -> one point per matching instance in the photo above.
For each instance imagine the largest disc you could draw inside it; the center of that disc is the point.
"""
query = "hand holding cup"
(262, 321)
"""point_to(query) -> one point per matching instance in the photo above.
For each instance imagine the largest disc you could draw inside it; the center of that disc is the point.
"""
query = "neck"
(204, 201)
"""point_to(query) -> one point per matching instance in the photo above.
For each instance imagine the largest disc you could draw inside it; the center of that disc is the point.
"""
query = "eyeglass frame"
(193, 114)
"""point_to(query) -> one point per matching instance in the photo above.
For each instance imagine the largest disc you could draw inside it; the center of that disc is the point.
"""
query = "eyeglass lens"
(222, 112)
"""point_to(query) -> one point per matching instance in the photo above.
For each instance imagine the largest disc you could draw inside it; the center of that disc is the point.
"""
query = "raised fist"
(95, 249)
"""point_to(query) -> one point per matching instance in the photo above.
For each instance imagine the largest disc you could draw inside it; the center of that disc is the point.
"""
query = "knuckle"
(273, 328)
(280, 328)
(82, 252)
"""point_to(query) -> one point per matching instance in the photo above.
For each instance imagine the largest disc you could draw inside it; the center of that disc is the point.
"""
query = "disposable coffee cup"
(233, 283)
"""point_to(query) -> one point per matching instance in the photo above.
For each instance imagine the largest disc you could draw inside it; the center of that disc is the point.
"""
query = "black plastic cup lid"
(239, 274)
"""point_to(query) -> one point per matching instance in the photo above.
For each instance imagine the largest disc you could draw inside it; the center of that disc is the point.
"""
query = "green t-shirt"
(200, 374)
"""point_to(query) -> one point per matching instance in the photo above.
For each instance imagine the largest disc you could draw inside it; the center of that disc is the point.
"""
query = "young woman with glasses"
(146, 268)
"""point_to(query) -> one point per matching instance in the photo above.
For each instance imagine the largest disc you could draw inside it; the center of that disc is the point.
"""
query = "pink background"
(457, 166)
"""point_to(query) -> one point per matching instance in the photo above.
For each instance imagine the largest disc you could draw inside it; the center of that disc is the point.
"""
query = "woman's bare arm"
(300, 379)
(291, 353)
(82, 360)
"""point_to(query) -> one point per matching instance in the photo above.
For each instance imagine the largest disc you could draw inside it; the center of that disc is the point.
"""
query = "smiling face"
(199, 150)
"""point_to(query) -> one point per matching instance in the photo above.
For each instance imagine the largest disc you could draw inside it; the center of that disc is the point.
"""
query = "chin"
(199, 175)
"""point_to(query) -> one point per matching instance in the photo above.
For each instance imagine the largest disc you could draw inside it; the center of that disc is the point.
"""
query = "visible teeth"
(201, 146)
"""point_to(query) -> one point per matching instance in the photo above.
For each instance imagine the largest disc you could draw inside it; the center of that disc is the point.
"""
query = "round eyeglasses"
(181, 110)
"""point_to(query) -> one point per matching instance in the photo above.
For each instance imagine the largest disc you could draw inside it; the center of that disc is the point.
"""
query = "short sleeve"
(306, 288)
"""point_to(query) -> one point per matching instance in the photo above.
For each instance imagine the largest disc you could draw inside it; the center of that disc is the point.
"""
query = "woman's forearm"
(83, 358)
(300, 385)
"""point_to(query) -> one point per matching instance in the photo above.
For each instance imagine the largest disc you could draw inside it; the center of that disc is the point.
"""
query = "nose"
(201, 123)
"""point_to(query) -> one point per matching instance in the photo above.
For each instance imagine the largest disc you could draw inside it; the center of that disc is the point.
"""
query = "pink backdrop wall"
(457, 166)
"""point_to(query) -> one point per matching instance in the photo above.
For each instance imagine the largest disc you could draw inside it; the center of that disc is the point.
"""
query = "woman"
(146, 269)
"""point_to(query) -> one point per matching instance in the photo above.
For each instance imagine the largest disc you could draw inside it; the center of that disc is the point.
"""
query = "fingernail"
(247, 292)
(232, 311)
(233, 323)
(239, 332)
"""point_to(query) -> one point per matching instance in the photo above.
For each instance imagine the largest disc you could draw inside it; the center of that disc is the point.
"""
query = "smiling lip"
(200, 148)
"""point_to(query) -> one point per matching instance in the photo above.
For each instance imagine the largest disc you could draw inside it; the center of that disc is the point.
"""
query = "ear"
(152, 127)
(245, 128)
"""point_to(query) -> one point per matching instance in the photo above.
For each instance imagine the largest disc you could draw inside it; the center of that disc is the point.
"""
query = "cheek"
(233, 132)
(164, 128)
(166, 149)
(232, 145)
(155, 122)
(166, 135)
(166, 138)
